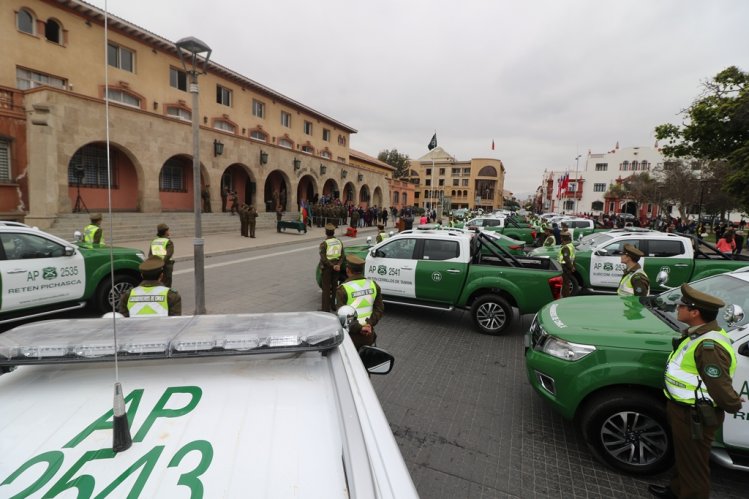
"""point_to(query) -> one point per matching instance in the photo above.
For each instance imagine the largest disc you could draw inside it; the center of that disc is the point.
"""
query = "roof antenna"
(121, 439)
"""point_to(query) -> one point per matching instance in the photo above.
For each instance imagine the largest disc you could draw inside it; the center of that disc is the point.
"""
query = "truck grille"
(538, 335)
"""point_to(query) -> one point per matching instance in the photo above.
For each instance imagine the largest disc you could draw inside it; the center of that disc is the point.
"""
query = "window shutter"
(4, 161)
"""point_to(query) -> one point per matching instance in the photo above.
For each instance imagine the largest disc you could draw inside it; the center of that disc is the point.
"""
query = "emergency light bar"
(81, 340)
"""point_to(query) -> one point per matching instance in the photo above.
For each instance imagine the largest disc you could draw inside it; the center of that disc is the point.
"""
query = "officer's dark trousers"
(168, 270)
(329, 282)
(692, 477)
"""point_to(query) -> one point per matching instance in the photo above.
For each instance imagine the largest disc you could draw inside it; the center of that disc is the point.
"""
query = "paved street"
(465, 417)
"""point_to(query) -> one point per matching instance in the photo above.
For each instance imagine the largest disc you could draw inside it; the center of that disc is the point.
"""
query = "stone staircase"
(137, 226)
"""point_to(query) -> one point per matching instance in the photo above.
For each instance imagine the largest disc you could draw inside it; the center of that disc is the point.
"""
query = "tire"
(491, 314)
(122, 284)
(629, 432)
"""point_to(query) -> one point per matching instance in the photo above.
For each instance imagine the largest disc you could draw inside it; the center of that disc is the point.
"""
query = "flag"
(433, 142)
(492, 144)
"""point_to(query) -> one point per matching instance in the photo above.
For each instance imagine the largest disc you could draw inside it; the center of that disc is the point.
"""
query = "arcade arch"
(276, 191)
(88, 179)
(176, 183)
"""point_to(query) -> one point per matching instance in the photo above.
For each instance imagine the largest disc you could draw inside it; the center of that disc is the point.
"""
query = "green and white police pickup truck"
(599, 267)
(41, 274)
(600, 360)
(509, 226)
(447, 269)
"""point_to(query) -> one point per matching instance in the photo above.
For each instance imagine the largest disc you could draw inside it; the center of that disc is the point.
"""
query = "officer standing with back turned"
(566, 259)
(151, 298)
(163, 247)
(331, 256)
(699, 390)
(365, 296)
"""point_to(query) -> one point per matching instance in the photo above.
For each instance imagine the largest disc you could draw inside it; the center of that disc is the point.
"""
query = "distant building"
(439, 177)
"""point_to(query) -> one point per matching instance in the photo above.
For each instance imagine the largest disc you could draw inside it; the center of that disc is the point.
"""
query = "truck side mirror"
(733, 314)
(369, 240)
(77, 236)
(376, 360)
(601, 252)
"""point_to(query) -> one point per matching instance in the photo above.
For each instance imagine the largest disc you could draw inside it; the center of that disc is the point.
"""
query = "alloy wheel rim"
(634, 438)
(491, 316)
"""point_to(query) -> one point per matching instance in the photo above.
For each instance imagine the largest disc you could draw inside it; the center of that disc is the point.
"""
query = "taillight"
(516, 247)
(533, 234)
(555, 284)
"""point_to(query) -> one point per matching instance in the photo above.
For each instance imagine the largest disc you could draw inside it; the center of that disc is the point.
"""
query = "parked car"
(599, 361)
(447, 269)
(42, 274)
(250, 405)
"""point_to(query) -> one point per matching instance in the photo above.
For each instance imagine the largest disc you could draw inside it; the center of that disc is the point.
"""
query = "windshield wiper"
(675, 325)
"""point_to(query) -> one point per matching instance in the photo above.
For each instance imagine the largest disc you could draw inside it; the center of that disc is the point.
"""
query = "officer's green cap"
(152, 264)
(633, 251)
(565, 235)
(355, 262)
(329, 227)
(96, 217)
(697, 299)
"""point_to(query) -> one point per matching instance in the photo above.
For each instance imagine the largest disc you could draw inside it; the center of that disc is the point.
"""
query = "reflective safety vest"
(158, 247)
(333, 248)
(383, 236)
(560, 258)
(625, 285)
(88, 234)
(550, 241)
(361, 295)
(682, 377)
(148, 301)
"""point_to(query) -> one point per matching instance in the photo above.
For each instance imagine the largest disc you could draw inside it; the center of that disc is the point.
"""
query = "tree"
(717, 131)
(400, 162)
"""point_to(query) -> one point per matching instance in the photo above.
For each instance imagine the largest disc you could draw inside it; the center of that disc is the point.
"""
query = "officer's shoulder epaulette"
(708, 344)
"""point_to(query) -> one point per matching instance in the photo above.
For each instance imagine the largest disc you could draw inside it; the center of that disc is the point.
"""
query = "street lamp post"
(194, 49)
(577, 183)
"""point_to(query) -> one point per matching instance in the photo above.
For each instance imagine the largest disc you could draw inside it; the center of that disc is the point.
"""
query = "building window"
(223, 95)
(286, 143)
(178, 79)
(53, 31)
(405, 198)
(179, 112)
(340, 159)
(488, 171)
(442, 171)
(93, 160)
(326, 135)
(123, 97)
(456, 182)
(224, 125)
(308, 149)
(611, 207)
(258, 109)
(596, 206)
(599, 187)
(326, 154)
(602, 167)
(455, 172)
(120, 57)
(428, 172)
(26, 79)
(396, 197)
(25, 22)
(4, 160)
(285, 119)
(441, 182)
(428, 182)
(635, 166)
(258, 135)
(464, 182)
(417, 194)
(172, 176)
(569, 205)
(341, 140)
(466, 171)
(624, 166)
(308, 127)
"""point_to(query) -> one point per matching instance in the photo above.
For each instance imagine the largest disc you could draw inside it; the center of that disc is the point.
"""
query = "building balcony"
(11, 102)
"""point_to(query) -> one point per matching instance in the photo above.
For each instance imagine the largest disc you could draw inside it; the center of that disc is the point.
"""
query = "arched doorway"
(276, 191)
(331, 189)
(348, 194)
(176, 183)
(377, 197)
(88, 179)
(630, 207)
(364, 197)
(305, 191)
(238, 178)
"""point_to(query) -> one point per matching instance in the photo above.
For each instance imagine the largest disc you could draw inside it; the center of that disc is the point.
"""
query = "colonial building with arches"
(268, 148)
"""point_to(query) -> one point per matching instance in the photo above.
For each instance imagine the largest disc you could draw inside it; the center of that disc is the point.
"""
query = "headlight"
(141, 255)
(565, 350)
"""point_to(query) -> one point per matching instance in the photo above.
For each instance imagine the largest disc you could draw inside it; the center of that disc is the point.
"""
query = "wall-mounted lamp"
(360, 177)
(263, 157)
(218, 147)
(323, 169)
(297, 164)
(344, 173)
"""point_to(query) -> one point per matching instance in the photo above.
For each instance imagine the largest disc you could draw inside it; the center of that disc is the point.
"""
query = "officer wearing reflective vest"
(382, 234)
(698, 386)
(163, 247)
(634, 281)
(92, 233)
(365, 296)
(566, 259)
(151, 298)
(331, 257)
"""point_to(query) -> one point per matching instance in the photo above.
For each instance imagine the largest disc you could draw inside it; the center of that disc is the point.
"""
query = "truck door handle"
(407, 268)
(16, 271)
(453, 271)
(681, 265)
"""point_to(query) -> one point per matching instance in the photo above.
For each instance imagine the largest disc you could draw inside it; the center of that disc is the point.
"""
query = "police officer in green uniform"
(93, 233)
(699, 391)
(151, 297)
(252, 219)
(549, 241)
(382, 235)
(365, 296)
(566, 258)
(163, 247)
(331, 256)
(244, 220)
(634, 281)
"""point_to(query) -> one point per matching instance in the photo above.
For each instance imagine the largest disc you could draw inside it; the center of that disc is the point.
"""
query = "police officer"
(244, 220)
(699, 391)
(151, 298)
(252, 219)
(163, 247)
(550, 240)
(382, 235)
(92, 233)
(331, 256)
(365, 296)
(566, 259)
(634, 281)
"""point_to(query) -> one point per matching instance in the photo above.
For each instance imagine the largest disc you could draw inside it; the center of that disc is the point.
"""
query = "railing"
(11, 99)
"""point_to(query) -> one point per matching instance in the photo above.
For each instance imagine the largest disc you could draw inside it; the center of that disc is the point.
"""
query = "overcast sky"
(544, 79)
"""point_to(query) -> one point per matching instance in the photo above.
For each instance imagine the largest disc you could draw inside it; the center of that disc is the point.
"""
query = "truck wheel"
(106, 293)
(629, 432)
(491, 314)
